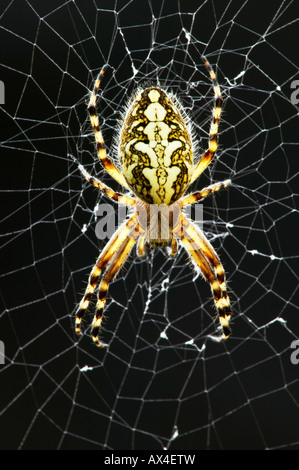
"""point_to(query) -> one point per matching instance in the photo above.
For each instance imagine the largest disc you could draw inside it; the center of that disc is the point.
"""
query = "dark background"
(144, 390)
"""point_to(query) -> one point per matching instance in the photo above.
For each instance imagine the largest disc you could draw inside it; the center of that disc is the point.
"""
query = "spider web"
(163, 382)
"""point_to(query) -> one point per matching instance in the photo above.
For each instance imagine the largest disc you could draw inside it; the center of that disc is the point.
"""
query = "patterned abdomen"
(155, 149)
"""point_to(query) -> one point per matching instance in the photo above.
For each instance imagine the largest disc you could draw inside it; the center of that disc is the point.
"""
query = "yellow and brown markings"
(155, 149)
(213, 141)
(94, 119)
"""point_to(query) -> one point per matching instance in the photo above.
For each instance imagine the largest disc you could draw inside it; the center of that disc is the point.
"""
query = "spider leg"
(209, 154)
(118, 197)
(207, 249)
(109, 250)
(115, 265)
(200, 250)
(199, 195)
(106, 162)
(174, 246)
(142, 246)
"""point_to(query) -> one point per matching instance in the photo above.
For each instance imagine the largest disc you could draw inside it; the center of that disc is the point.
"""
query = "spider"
(156, 160)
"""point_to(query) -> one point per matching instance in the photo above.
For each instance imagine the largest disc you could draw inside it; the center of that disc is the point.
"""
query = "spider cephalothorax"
(157, 222)
(156, 158)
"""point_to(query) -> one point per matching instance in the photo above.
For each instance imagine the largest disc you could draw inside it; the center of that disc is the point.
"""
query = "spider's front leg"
(109, 250)
(117, 261)
(142, 247)
(202, 252)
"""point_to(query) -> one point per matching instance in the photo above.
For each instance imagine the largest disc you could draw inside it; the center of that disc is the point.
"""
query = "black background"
(142, 389)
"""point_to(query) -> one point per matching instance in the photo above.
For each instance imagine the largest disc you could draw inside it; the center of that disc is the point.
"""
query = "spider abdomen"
(155, 148)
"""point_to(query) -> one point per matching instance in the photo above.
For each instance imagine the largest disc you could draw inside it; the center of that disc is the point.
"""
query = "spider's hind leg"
(213, 138)
(95, 122)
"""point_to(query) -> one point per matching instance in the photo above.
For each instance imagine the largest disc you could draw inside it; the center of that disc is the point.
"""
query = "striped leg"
(142, 246)
(200, 240)
(115, 265)
(174, 246)
(107, 163)
(110, 249)
(199, 195)
(208, 262)
(118, 197)
(209, 154)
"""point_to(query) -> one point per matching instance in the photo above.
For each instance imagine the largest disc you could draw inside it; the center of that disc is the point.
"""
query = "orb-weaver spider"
(156, 159)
